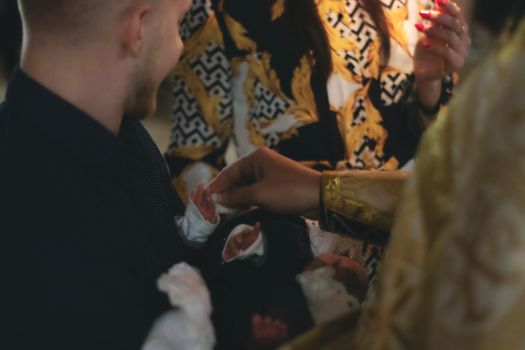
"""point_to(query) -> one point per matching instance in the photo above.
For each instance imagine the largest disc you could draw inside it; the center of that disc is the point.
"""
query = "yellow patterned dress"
(243, 78)
(454, 275)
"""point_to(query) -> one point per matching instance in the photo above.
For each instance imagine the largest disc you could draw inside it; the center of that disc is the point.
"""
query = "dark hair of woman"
(311, 34)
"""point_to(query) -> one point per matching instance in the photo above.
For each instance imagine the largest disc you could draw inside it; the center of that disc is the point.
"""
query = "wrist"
(314, 192)
(428, 93)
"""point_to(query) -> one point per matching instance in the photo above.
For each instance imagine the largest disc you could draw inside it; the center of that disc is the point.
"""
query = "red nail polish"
(426, 45)
(424, 14)
(441, 2)
(420, 26)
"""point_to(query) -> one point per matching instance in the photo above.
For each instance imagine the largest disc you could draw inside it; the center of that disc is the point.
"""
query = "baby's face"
(351, 273)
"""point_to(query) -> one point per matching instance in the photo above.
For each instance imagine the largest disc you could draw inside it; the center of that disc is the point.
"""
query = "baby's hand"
(202, 199)
(241, 242)
(267, 332)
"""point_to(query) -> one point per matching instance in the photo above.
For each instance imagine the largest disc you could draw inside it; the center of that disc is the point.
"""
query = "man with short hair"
(86, 215)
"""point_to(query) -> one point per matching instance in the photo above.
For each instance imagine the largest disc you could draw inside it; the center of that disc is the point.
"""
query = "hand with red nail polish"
(425, 14)
(442, 48)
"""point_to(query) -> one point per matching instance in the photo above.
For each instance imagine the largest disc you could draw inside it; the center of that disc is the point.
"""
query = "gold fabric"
(368, 197)
(332, 335)
(454, 274)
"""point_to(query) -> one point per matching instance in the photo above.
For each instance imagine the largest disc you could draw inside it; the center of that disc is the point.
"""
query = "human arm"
(360, 203)
(441, 50)
(271, 181)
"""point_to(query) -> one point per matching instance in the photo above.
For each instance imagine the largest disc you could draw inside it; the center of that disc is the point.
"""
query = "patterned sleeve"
(360, 203)
(418, 119)
(202, 110)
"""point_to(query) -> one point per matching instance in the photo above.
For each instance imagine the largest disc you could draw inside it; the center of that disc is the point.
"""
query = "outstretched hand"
(271, 181)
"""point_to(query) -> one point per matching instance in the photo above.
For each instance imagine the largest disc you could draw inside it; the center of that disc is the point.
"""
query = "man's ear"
(131, 31)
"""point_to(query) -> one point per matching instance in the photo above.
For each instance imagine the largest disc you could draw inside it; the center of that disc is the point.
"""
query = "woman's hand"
(271, 181)
(441, 50)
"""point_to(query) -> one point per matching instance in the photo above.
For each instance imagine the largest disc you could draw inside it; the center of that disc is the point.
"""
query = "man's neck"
(82, 79)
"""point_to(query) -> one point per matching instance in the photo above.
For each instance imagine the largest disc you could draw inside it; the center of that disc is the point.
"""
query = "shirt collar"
(61, 122)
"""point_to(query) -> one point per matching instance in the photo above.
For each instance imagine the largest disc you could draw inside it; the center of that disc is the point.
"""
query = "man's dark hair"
(67, 17)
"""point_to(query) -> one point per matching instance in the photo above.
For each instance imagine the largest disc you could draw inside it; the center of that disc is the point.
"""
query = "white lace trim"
(188, 327)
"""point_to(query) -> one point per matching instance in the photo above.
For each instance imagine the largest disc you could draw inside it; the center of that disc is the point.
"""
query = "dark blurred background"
(10, 35)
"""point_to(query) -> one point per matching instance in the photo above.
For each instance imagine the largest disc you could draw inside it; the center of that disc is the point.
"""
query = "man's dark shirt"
(86, 226)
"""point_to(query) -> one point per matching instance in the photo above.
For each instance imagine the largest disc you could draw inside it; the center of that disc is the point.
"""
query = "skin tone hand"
(441, 49)
(271, 181)
(351, 273)
(267, 332)
(241, 242)
(202, 199)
